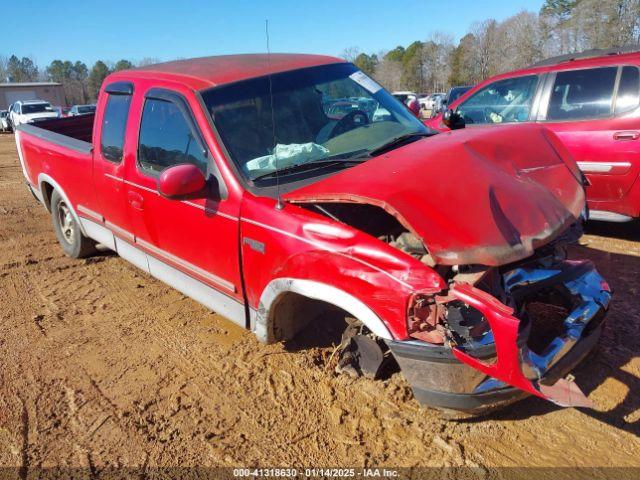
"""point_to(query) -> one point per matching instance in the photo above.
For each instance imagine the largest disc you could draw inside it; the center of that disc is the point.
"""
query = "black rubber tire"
(73, 242)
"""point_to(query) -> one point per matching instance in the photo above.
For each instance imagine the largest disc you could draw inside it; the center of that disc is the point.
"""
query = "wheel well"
(291, 313)
(47, 190)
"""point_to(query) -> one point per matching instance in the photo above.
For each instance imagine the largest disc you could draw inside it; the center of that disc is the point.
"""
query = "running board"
(604, 216)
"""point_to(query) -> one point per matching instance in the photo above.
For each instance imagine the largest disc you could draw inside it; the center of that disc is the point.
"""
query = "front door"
(192, 243)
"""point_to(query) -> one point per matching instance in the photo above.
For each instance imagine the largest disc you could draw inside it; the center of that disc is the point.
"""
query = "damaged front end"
(498, 334)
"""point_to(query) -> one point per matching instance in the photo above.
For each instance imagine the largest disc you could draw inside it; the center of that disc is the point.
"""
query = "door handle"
(135, 200)
(631, 135)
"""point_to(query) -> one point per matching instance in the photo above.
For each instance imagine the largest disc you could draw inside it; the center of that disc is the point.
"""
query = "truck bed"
(57, 154)
(79, 127)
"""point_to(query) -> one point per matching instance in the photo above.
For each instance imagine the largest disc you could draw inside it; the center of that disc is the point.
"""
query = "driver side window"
(166, 139)
(505, 101)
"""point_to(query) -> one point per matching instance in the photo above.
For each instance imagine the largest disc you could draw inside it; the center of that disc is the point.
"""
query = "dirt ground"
(101, 365)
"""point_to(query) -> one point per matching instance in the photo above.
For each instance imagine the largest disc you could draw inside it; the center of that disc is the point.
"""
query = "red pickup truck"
(225, 178)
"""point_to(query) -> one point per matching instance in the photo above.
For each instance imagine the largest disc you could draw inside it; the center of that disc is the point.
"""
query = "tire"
(73, 242)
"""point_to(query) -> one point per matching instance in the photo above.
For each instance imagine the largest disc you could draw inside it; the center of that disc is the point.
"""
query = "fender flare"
(316, 291)
(44, 178)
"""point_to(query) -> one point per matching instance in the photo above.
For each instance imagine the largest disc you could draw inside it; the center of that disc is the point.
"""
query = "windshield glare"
(325, 112)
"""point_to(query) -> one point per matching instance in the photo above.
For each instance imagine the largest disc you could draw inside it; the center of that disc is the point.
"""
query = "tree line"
(490, 47)
(81, 84)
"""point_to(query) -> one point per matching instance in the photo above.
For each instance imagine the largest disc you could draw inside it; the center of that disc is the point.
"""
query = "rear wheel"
(73, 242)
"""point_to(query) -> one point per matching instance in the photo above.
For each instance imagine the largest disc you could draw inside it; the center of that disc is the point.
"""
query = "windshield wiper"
(395, 142)
(300, 167)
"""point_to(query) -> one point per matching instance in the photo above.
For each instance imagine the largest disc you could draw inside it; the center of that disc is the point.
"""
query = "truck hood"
(486, 196)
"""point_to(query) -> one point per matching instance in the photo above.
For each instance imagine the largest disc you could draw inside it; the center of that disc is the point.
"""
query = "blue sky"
(89, 30)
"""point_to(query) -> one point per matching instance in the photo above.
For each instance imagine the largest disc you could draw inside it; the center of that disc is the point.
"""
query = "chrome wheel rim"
(67, 224)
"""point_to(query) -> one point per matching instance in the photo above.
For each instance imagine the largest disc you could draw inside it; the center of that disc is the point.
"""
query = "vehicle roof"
(32, 102)
(206, 72)
(570, 64)
(563, 63)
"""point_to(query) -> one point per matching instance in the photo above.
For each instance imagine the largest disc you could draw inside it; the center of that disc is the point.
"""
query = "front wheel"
(73, 242)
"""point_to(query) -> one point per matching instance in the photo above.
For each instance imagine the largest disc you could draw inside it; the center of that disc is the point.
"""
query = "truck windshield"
(87, 109)
(307, 115)
(36, 108)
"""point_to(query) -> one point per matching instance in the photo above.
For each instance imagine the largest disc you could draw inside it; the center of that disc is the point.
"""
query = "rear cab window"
(505, 101)
(114, 122)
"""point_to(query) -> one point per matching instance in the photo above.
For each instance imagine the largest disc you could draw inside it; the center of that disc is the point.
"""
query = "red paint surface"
(505, 332)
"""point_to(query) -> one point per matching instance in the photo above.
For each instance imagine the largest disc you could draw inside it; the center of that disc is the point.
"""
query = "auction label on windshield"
(365, 82)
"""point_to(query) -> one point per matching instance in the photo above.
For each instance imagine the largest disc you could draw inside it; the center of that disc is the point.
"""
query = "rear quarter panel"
(70, 170)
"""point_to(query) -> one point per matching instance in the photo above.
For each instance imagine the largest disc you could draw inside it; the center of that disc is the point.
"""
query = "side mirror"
(181, 181)
(452, 119)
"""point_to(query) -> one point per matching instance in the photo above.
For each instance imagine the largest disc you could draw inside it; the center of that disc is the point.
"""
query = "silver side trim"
(132, 254)
(328, 249)
(604, 216)
(601, 167)
(262, 321)
(131, 238)
(90, 213)
(187, 266)
(113, 177)
(195, 289)
(142, 187)
(201, 293)
(120, 231)
(99, 233)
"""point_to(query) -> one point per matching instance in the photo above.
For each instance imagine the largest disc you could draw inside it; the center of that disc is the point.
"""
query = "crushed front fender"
(475, 377)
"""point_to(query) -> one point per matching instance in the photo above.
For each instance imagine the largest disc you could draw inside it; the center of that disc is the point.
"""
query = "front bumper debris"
(477, 377)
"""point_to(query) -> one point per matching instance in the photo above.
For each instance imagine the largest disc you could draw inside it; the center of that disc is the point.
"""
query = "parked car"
(82, 110)
(452, 95)
(4, 121)
(405, 96)
(194, 178)
(430, 103)
(62, 111)
(28, 111)
(592, 104)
